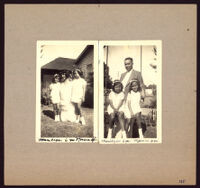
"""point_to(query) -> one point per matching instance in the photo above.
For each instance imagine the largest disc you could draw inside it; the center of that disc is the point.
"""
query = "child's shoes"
(119, 135)
(124, 135)
(109, 133)
(82, 120)
(140, 133)
(58, 118)
(78, 119)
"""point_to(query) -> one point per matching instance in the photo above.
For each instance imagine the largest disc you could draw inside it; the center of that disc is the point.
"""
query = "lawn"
(50, 128)
(149, 128)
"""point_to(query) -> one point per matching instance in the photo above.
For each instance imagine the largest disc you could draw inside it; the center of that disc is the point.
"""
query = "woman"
(67, 108)
(78, 94)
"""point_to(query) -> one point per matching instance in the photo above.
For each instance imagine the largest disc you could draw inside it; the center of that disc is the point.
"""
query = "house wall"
(86, 63)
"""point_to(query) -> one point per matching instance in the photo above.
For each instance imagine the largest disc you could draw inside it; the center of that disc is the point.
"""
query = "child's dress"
(77, 90)
(116, 98)
(134, 99)
(54, 92)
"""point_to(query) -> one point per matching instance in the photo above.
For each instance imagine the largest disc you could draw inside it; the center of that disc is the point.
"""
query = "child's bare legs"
(121, 119)
(111, 122)
(138, 121)
(127, 122)
(56, 112)
(121, 122)
(78, 113)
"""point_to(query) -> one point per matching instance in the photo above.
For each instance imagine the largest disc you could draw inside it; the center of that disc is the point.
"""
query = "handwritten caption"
(69, 140)
(129, 141)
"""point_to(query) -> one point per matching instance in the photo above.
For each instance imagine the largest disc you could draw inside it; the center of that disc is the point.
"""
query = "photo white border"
(38, 137)
(158, 44)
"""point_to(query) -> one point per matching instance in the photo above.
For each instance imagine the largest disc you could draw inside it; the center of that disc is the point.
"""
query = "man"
(129, 75)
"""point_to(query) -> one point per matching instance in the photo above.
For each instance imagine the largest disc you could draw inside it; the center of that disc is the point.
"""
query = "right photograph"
(131, 85)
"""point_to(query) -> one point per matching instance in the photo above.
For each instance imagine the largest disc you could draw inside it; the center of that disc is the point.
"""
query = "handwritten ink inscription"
(76, 139)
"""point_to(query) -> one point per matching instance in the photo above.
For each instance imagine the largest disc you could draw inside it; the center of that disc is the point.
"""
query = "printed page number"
(181, 181)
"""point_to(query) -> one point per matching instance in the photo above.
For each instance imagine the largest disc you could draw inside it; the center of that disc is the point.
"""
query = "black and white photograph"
(99, 93)
(66, 91)
(131, 100)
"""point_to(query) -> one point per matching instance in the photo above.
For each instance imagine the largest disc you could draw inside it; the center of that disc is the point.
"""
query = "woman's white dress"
(67, 108)
(78, 88)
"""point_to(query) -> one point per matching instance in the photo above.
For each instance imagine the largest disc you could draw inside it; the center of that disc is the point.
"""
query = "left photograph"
(65, 91)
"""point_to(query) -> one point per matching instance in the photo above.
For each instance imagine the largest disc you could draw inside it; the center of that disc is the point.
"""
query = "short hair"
(115, 83)
(54, 77)
(80, 72)
(68, 72)
(136, 81)
(62, 73)
(129, 58)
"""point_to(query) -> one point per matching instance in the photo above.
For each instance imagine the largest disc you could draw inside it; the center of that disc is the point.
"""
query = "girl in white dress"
(115, 108)
(54, 96)
(78, 94)
(133, 109)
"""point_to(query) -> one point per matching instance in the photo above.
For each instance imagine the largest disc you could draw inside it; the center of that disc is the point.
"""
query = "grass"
(149, 129)
(50, 128)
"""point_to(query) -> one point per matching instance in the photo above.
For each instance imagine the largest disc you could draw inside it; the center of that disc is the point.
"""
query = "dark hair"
(131, 82)
(115, 83)
(54, 77)
(129, 58)
(67, 73)
(80, 72)
(61, 75)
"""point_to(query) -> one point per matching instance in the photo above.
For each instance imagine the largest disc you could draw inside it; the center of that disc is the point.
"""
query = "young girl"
(134, 111)
(116, 98)
(55, 96)
(78, 94)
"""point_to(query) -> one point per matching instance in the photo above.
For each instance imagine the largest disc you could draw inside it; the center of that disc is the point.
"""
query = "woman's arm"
(84, 84)
(84, 90)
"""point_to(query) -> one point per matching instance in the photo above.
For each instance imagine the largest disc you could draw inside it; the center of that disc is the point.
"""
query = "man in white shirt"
(129, 75)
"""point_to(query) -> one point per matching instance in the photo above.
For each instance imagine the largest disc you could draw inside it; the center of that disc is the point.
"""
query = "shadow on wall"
(89, 99)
